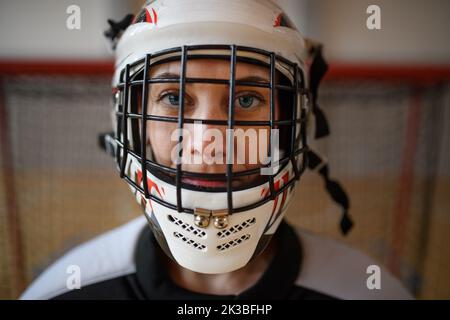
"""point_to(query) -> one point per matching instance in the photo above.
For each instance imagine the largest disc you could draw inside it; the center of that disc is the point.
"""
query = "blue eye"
(247, 101)
(171, 99)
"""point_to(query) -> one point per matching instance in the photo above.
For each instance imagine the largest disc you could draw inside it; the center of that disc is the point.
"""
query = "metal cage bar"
(125, 122)
(272, 114)
(207, 176)
(144, 125)
(180, 127)
(211, 121)
(182, 54)
(294, 127)
(230, 141)
(210, 81)
(191, 211)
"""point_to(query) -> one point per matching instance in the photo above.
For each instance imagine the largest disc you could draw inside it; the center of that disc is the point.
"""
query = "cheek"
(159, 137)
(277, 107)
(258, 149)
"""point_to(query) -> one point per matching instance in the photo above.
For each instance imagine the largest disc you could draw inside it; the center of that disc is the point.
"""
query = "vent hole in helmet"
(233, 243)
(187, 227)
(189, 242)
(236, 228)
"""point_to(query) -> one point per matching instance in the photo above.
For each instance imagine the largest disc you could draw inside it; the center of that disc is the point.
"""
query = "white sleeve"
(107, 256)
(333, 268)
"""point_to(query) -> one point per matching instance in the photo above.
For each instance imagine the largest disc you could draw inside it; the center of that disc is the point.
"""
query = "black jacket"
(125, 263)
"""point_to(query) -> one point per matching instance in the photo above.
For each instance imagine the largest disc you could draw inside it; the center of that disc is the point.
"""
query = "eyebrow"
(254, 79)
(170, 75)
(167, 75)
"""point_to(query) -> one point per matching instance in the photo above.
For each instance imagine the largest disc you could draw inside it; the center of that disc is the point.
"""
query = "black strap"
(117, 27)
(107, 143)
(317, 71)
(334, 189)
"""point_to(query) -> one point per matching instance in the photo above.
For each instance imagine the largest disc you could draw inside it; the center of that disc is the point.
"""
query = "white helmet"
(209, 231)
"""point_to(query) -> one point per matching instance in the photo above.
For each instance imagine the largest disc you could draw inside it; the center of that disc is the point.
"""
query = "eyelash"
(167, 93)
(254, 95)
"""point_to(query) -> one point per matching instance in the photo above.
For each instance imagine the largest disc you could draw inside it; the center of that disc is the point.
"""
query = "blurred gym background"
(386, 97)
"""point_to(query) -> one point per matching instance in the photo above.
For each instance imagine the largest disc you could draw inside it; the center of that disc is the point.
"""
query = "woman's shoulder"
(107, 256)
(332, 267)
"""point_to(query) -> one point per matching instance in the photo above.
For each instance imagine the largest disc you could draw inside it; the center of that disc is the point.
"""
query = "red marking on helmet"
(155, 16)
(139, 176)
(265, 192)
(274, 207)
(285, 181)
(150, 184)
(148, 17)
(277, 21)
(276, 186)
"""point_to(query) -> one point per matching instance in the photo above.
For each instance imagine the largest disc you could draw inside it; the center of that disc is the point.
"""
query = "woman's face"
(204, 145)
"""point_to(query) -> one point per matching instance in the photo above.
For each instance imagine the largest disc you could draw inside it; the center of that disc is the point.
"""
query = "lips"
(205, 182)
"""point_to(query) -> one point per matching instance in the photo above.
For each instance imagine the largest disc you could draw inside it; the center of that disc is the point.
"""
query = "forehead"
(211, 68)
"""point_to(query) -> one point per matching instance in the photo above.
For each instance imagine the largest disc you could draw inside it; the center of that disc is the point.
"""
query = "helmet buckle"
(220, 218)
(202, 218)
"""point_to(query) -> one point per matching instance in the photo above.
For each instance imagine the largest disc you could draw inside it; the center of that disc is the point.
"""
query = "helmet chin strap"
(107, 143)
(317, 71)
(334, 189)
(116, 29)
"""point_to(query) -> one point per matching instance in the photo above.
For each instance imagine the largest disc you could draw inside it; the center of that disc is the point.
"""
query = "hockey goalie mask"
(210, 113)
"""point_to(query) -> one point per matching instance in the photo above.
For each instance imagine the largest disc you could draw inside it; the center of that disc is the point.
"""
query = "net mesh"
(388, 148)
(65, 188)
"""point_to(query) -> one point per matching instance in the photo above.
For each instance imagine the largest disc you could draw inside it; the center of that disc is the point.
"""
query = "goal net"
(389, 147)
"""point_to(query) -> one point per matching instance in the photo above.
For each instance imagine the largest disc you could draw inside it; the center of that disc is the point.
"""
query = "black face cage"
(128, 118)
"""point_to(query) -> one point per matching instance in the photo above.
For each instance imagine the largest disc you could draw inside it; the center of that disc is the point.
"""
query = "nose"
(206, 145)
